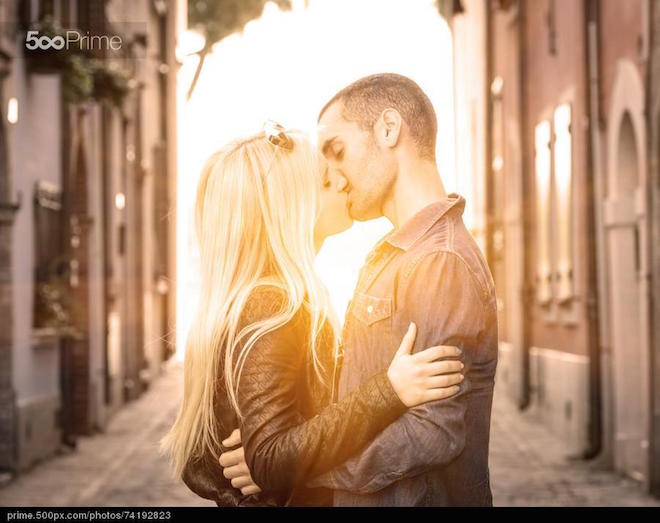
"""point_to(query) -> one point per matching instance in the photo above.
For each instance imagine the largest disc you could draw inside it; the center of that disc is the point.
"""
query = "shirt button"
(370, 309)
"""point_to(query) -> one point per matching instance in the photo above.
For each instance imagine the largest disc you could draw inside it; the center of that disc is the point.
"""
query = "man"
(379, 136)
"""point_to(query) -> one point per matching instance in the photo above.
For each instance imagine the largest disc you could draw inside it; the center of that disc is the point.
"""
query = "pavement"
(530, 467)
(122, 466)
(119, 467)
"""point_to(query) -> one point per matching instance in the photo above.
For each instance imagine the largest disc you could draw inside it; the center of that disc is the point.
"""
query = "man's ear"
(388, 128)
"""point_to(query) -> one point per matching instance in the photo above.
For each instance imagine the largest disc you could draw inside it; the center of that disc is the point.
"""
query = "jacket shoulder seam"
(483, 292)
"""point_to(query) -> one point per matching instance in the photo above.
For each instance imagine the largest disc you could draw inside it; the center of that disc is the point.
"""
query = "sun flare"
(285, 66)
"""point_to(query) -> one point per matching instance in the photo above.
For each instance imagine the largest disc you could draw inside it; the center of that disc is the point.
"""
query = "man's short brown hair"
(364, 100)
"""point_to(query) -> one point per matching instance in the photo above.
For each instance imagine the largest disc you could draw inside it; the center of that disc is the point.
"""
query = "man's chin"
(359, 215)
(353, 212)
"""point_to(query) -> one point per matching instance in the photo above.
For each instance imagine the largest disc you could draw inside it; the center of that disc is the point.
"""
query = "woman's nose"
(341, 183)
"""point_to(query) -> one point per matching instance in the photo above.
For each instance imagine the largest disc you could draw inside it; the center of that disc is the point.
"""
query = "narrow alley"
(122, 467)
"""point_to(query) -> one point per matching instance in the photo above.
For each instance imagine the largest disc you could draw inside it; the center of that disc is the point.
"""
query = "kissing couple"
(280, 406)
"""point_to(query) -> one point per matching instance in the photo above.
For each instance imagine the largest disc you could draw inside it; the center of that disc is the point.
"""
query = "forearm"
(417, 442)
(292, 454)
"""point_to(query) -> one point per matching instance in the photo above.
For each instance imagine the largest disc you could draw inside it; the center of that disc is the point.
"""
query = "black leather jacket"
(290, 429)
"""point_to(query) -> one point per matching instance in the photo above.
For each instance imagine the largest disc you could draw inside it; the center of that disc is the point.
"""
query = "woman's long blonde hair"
(254, 217)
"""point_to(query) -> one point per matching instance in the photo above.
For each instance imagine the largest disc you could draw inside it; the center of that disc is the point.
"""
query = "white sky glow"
(285, 66)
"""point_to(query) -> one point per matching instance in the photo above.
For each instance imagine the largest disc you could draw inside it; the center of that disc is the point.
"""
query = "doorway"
(625, 221)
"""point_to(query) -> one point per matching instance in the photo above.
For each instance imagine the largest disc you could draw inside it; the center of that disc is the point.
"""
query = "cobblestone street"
(122, 467)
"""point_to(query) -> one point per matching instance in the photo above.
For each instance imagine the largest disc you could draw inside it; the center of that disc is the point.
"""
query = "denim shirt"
(432, 272)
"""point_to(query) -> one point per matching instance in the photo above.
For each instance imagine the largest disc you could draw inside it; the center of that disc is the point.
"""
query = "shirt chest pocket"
(371, 309)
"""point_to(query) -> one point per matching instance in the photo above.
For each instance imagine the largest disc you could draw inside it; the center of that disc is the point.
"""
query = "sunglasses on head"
(276, 135)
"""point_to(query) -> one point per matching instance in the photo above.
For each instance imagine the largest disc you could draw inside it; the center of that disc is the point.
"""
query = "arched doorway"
(625, 220)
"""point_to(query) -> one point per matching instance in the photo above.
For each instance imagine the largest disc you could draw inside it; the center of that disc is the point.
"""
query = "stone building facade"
(87, 147)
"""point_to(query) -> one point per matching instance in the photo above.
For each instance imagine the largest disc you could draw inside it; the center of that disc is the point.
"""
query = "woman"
(261, 353)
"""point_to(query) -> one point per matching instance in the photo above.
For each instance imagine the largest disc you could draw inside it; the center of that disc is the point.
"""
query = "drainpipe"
(527, 291)
(594, 168)
(653, 115)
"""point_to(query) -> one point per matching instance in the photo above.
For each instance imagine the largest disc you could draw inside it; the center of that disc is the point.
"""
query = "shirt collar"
(412, 230)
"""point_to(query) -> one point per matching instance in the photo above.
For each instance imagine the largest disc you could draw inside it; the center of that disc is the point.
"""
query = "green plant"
(217, 19)
(77, 79)
(83, 78)
(68, 60)
(109, 83)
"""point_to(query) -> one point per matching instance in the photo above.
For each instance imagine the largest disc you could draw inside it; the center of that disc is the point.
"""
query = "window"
(542, 161)
(554, 207)
(51, 284)
(498, 117)
(563, 216)
(46, 8)
(31, 11)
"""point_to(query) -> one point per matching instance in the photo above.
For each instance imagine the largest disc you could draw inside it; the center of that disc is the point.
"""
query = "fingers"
(441, 367)
(233, 439)
(440, 394)
(437, 352)
(241, 482)
(447, 380)
(236, 471)
(233, 457)
(408, 340)
(251, 489)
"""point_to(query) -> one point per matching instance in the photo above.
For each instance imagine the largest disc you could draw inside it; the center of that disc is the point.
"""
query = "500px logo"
(34, 41)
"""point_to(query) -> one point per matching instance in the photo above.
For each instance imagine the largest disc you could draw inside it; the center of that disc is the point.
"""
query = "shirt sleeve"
(446, 302)
(282, 448)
